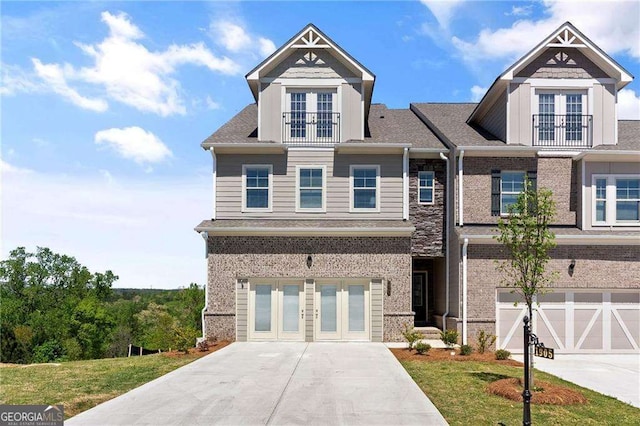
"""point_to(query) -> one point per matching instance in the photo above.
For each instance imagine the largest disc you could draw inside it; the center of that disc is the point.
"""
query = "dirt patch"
(548, 393)
(404, 354)
(196, 352)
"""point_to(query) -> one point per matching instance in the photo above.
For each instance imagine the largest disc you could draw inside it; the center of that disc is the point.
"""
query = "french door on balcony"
(311, 116)
(562, 119)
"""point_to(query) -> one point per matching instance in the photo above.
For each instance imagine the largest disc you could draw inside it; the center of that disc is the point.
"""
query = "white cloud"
(613, 26)
(628, 105)
(7, 168)
(140, 229)
(211, 104)
(443, 11)
(53, 77)
(235, 38)
(134, 143)
(477, 93)
(123, 70)
(520, 11)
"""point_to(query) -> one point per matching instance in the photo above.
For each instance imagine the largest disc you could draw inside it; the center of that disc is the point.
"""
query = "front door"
(276, 311)
(419, 298)
(342, 311)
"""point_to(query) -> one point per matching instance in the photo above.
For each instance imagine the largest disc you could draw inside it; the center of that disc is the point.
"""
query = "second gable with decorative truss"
(310, 92)
(562, 94)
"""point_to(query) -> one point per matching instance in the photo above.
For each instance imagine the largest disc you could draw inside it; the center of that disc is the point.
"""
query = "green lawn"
(458, 390)
(80, 385)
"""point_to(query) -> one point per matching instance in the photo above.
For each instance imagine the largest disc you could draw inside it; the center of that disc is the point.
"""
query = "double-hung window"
(256, 187)
(425, 187)
(365, 188)
(311, 183)
(616, 200)
(511, 186)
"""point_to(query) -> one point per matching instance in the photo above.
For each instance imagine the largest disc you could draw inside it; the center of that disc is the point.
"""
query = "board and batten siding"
(229, 184)
(377, 316)
(520, 118)
(242, 309)
(270, 106)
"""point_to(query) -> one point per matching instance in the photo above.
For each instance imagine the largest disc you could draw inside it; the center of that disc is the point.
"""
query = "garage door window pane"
(290, 308)
(328, 302)
(625, 297)
(356, 308)
(587, 298)
(263, 307)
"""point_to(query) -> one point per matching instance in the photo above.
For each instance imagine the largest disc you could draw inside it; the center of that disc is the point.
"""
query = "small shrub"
(466, 350)
(49, 351)
(184, 338)
(485, 340)
(203, 345)
(411, 335)
(502, 354)
(449, 337)
(422, 348)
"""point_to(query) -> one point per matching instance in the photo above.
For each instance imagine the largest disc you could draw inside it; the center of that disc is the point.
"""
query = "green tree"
(158, 327)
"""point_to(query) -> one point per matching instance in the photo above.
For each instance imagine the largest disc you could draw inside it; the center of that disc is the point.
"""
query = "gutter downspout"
(215, 173)
(205, 237)
(405, 184)
(464, 290)
(460, 189)
(444, 316)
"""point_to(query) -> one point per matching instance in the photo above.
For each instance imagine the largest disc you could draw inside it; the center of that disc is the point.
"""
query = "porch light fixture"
(309, 261)
(572, 266)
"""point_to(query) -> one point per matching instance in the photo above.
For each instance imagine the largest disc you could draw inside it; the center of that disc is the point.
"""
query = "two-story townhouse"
(311, 236)
(551, 118)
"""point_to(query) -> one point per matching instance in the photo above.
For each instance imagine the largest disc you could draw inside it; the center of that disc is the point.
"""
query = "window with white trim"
(312, 114)
(511, 186)
(256, 187)
(616, 200)
(311, 188)
(426, 187)
(365, 188)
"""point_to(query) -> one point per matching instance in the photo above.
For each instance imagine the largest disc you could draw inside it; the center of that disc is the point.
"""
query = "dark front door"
(419, 298)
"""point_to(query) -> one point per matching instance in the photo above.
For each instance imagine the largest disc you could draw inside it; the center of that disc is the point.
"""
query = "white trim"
(583, 197)
(524, 173)
(578, 239)
(353, 167)
(432, 187)
(563, 82)
(259, 111)
(610, 200)
(269, 208)
(405, 184)
(305, 82)
(311, 232)
(323, 208)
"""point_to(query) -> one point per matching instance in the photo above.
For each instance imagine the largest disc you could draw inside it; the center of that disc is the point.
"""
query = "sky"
(103, 105)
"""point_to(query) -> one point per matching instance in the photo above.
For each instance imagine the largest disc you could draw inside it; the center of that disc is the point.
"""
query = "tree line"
(52, 308)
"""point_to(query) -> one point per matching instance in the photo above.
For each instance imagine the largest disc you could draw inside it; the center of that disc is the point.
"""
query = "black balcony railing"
(311, 128)
(562, 131)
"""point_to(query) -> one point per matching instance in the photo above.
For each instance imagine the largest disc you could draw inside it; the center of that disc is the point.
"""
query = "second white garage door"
(574, 321)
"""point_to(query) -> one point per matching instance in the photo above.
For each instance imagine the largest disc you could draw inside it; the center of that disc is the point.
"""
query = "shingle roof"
(385, 126)
(451, 120)
(628, 137)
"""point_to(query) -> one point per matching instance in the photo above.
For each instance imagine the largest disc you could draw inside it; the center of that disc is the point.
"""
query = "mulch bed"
(512, 388)
(404, 354)
(195, 351)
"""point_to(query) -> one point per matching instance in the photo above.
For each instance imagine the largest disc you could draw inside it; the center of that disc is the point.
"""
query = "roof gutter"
(302, 232)
(460, 189)
(448, 254)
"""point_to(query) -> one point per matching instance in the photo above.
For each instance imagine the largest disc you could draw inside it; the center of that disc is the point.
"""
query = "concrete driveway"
(614, 375)
(276, 383)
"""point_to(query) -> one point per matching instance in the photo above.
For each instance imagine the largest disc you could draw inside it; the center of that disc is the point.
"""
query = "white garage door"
(574, 321)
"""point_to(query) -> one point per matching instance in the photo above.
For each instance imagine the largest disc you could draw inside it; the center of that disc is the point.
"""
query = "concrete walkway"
(614, 374)
(276, 383)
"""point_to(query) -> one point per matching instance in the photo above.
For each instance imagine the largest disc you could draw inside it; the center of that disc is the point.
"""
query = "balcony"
(311, 128)
(562, 131)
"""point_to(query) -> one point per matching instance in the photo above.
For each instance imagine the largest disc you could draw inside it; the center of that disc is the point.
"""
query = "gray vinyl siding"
(309, 292)
(377, 310)
(520, 117)
(604, 114)
(229, 184)
(299, 65)
(495, 120)
(352, 114)
(242, 309)
(270, 112)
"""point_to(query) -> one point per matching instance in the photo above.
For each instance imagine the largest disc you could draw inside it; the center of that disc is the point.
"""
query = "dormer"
(560, 95)
(310, 92)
